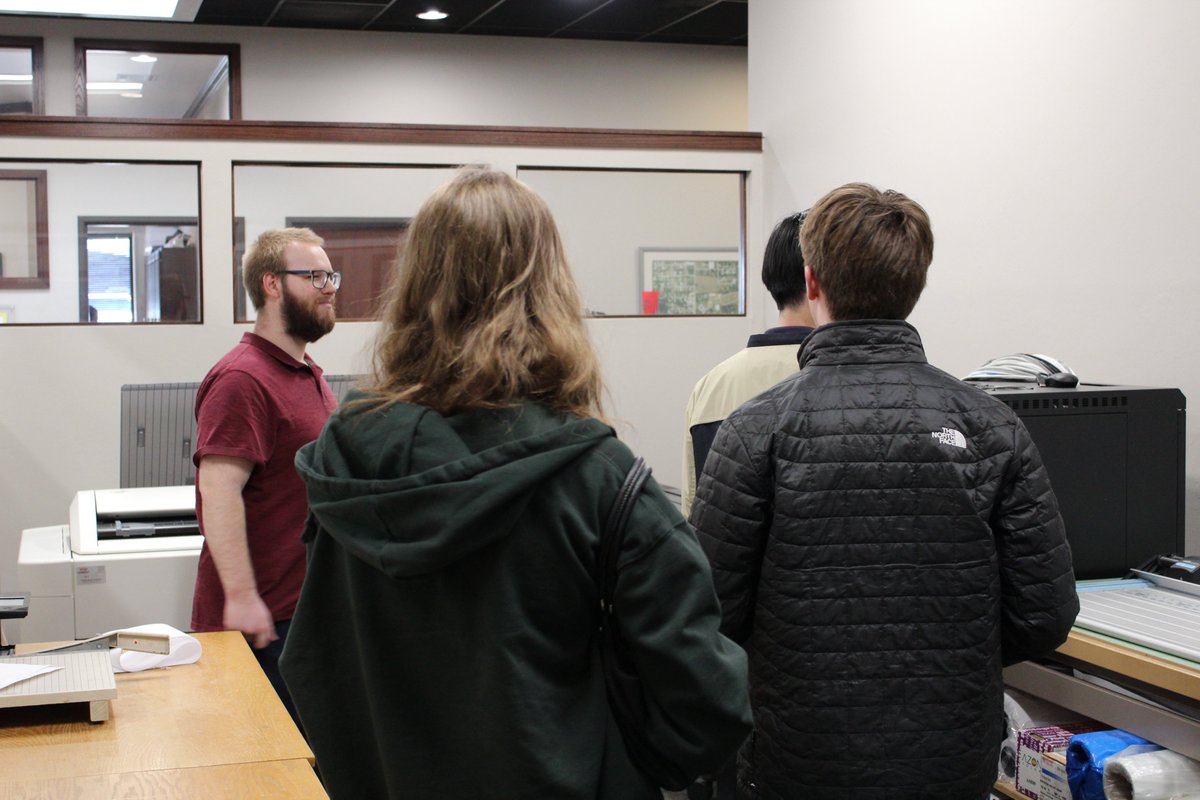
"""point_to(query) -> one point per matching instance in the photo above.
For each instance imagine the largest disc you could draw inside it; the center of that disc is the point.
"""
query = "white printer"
(128, 557)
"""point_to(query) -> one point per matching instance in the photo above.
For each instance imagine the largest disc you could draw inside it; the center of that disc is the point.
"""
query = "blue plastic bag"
(1086, 755)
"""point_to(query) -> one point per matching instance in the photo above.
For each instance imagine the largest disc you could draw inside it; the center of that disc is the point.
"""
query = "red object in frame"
(649, 302)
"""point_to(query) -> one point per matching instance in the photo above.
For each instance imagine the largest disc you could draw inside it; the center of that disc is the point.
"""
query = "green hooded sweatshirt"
(445, 642)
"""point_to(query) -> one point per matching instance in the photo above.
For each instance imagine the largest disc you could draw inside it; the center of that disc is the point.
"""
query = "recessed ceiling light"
(132, 95)
(16, 79)
(432, 15)
(157, 9)
(144, 58)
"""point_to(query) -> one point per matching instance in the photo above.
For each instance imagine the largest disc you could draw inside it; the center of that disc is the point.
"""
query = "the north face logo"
(951, 437)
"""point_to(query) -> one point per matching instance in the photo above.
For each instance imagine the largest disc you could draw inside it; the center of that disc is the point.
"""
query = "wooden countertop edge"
(1141, 666)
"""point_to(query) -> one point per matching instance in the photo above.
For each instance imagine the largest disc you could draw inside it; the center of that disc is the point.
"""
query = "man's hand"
(249, 614)
(221, 480)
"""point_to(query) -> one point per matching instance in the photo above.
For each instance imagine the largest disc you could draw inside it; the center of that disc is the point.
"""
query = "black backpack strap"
(614, 533)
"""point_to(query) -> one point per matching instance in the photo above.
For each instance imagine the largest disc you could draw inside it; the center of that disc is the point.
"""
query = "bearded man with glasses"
(256, 407)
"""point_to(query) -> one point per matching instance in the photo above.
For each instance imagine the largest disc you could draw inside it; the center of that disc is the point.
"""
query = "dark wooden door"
(364, 251)
(178, 289)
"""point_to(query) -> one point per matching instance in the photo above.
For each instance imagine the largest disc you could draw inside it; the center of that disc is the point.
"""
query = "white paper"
(15, 673)
(184, 650)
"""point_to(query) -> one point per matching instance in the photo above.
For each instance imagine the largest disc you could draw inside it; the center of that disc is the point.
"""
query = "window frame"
(83, 224)
(231, 51)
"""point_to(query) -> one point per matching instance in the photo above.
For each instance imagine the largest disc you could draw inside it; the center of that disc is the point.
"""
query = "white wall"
(1054, 145)
(60, 386)
(348, 76)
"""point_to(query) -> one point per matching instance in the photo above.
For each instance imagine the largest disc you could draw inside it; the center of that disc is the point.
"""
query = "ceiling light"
(16, 79)
(132, 95)
(144, 58)
(155, 9)
(113, 86)
(432, 15)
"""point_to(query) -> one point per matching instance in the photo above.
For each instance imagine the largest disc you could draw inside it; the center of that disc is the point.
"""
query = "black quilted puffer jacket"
(884, 538)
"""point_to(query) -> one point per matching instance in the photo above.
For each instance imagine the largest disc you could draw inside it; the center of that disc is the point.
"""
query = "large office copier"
(127, 557)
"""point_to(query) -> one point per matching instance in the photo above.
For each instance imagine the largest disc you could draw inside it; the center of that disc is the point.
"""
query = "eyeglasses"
(319, 277)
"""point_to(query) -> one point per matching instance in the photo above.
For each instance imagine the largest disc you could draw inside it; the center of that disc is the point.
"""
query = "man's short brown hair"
(869, 251)
(266, 255)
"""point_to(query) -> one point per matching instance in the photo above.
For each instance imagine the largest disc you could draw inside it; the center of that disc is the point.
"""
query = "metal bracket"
(141, 642)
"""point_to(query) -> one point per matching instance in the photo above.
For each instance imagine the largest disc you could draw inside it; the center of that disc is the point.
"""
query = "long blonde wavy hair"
(482, 311)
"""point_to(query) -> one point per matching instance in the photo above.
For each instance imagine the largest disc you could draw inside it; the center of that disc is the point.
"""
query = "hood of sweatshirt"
(409, 491)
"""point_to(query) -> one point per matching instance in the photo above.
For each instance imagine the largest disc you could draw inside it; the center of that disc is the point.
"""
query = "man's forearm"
(225, 534)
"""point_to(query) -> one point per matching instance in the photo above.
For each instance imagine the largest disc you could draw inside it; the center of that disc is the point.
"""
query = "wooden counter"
(1172, 683)
(1140, 664)
(213, 729)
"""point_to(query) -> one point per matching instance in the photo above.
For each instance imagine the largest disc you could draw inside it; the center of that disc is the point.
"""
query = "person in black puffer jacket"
(884, 538)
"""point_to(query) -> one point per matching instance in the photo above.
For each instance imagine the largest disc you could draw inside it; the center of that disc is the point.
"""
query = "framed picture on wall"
(690, 281)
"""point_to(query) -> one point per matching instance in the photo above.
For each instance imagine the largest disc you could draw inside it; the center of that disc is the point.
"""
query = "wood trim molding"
(379, 133)
(80, 79)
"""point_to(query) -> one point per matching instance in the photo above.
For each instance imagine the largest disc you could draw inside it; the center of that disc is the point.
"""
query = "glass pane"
(153, 276)
(110, 278)
(142, 270)
(650, 243)
(16, 80)
(155, 85)
(362, 212)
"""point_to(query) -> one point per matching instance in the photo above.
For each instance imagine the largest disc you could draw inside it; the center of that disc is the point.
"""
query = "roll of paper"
(1023, 711)
(184, 650)
(1158, 775)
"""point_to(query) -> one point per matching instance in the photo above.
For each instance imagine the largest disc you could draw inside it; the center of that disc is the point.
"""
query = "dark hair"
(869, 250)
(783, 263)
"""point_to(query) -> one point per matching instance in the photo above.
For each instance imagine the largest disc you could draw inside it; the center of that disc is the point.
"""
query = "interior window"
(667, 243)
(157, 80)
(52, 211)
(361, 211)
(21, 76)
(139, 270)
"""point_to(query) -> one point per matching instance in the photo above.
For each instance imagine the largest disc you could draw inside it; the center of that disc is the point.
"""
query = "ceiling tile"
(723, 23)
(323, 14)
(691, 21)
(536, 17)
(235, 12)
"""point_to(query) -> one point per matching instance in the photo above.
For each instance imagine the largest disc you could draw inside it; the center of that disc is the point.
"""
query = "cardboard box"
(1032, 743)
(1054, 784)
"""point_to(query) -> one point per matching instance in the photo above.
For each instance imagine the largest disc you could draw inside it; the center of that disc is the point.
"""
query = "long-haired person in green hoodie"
(445, 642)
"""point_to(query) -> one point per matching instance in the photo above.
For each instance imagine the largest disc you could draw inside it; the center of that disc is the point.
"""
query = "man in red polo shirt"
(256, 407)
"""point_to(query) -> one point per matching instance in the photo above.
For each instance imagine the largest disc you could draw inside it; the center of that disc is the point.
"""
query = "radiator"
(158, 431)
